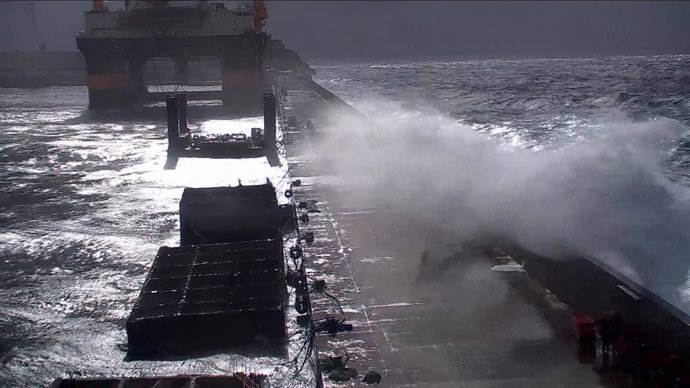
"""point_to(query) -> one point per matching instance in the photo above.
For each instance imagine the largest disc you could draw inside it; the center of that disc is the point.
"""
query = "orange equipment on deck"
(585, 330)
(260, 14)
(99, 6)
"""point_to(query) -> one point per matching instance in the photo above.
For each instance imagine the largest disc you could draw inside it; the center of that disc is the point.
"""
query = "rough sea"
(591, 155)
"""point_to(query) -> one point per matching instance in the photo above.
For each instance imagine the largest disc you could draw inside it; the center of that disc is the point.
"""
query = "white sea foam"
(603, 196)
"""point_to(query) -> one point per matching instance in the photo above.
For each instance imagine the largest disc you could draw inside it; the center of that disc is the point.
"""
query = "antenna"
(33, 15)
(32, 12)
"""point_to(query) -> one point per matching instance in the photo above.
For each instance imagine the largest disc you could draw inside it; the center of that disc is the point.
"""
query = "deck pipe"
(173, 122)
(182, 114)
(173, 132)
(270, 141)
(270, 120)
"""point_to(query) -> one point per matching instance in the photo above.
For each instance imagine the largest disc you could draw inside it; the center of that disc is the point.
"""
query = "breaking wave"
(606, 195)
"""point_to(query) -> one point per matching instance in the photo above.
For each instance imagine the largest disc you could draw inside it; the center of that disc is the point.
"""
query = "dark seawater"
(85, 204)
(540, 100)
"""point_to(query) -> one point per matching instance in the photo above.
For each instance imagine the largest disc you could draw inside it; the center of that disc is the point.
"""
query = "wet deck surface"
(464, 324)
(453, 322)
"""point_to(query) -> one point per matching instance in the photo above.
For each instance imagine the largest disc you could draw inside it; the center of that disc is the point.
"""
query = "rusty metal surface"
(225, 214)
(238, 380)
(207, 298)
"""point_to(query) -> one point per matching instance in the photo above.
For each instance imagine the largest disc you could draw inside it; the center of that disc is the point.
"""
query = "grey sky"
(410, 29)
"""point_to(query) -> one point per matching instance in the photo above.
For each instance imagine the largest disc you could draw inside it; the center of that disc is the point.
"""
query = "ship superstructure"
(117, 44)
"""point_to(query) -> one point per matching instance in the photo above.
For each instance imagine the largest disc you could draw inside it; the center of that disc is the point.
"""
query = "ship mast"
(32, 12)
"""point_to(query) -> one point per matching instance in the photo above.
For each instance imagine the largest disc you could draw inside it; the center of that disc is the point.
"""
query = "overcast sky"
(410, 29)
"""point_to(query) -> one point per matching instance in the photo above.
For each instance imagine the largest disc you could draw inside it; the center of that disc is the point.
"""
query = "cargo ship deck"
(466, 316)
